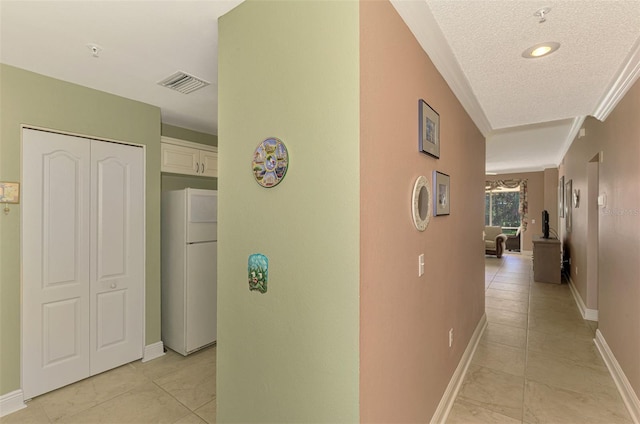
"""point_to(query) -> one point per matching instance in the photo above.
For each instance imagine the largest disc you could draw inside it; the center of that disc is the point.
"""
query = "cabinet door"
(201, 295)
(208, 163)
(180, 159)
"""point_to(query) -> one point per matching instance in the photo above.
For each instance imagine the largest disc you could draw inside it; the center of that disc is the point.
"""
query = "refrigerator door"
(201, 295)
(202, 215)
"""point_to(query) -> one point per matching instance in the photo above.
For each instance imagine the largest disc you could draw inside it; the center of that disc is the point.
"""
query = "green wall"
(178, 182)
(189, 135)
(32, 99)
(289, 70)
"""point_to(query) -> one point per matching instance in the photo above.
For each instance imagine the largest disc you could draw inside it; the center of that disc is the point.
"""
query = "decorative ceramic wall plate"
(270, 162)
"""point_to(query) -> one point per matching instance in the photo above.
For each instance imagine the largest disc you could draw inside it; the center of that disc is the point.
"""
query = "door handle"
(197, 168)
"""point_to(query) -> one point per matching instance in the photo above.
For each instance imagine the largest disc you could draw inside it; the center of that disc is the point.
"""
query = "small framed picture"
(568, 189)
(441, 194)
(9, 192)
(429, 130)
(561, 197)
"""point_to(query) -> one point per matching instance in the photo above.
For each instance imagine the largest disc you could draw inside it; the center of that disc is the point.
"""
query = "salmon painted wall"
(405, 360)
(618, 288)
(551, 180)
(536, 202)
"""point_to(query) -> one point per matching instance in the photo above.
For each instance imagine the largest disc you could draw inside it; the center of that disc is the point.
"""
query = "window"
(501, 208)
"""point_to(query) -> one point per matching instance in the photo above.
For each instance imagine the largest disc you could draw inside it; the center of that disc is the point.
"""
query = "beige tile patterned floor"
(536, 362)
(170, 389)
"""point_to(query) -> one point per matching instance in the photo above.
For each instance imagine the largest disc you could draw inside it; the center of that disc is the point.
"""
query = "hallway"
(536, 361)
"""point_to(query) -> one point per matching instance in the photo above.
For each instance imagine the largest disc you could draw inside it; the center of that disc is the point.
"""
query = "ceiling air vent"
(183, 82)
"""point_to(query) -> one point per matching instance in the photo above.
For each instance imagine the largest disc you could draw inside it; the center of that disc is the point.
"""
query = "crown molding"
(628, 75)
(573, 132)
(418, 17)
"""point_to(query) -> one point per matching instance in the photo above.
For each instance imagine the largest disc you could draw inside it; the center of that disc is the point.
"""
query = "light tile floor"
(536, 361)
(169, 389)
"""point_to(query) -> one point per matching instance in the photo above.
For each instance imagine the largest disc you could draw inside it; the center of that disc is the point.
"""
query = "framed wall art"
(9, 192)
(441, 194)
(561, 197)
(568, 190)
(429, 130)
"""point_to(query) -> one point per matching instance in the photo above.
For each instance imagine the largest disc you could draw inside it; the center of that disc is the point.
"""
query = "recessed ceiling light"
(542, 49)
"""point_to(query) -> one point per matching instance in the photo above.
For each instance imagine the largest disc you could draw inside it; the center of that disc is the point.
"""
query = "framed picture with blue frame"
(429, 130)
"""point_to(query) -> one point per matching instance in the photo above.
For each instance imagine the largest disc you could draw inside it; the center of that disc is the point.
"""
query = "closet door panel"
(117, 263)
(55, 260)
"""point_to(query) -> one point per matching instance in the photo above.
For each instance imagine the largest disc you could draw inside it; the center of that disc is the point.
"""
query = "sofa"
(494, 241)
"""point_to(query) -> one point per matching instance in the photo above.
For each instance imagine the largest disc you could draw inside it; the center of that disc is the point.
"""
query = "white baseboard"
(450, 394)
(11, 402)
(588, 314)
(629, 396)
(153, 351)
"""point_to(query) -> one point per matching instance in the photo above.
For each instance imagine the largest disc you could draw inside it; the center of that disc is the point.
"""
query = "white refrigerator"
(189, 267)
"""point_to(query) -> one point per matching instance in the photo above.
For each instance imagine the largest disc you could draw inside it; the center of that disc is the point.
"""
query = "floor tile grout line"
(189, 411)
(64, 417)
(526, 344)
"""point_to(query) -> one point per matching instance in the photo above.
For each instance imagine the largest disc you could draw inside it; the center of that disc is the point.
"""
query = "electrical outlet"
(421, 265)
(450, 337)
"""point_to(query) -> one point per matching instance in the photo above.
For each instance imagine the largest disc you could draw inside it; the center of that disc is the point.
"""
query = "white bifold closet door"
(82, 258)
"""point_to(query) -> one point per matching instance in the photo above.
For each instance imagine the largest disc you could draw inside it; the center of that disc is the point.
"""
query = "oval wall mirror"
(421, 203)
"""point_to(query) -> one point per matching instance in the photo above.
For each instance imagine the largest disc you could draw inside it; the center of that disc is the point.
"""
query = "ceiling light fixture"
(540, 50)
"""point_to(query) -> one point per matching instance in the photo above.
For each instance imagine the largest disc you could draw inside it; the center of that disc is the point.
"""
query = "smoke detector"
(541, 14)
(95, 49)
(183, 82)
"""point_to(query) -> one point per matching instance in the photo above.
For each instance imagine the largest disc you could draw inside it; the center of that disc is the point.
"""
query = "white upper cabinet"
(185, 157)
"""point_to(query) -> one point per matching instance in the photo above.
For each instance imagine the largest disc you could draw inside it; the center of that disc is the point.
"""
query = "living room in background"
(501, 209)
(506, 207)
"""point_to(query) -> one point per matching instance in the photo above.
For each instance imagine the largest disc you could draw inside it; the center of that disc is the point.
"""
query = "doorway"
(591, 302)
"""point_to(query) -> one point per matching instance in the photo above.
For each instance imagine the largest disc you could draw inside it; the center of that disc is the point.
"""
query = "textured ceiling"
(529, 110)
(488, 37)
